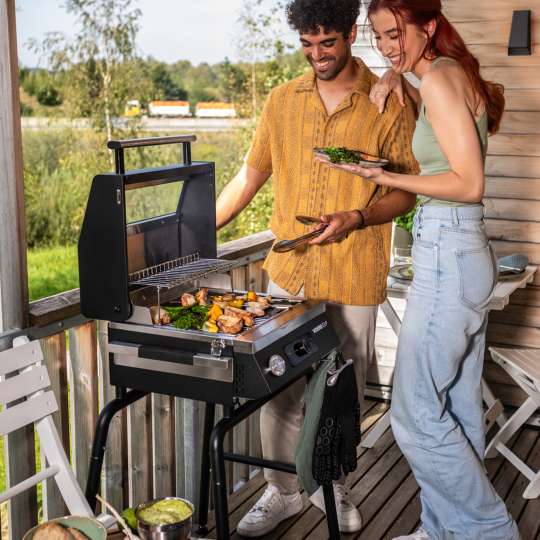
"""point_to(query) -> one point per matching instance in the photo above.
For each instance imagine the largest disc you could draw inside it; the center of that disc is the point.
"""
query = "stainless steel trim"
(209, 361)
(213, 372)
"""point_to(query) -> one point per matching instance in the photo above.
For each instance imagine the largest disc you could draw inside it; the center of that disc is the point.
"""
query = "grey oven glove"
(338, 433)
(313, 397)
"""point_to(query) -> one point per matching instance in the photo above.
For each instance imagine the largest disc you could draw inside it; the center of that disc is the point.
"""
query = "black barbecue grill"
(130, 263)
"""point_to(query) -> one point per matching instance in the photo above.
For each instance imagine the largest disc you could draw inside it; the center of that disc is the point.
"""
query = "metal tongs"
(288, 245)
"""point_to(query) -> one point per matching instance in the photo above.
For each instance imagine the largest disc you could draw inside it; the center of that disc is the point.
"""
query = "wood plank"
(55, 358)
(520, 122)
(506, 334)
(514, 499)
(139, 430)
(481, 10)
(528, 522)
(513, 188)
(519, 315)
(503, 248)
(514, 231)
(526, 297)
(512, 209)
(521, 100)
(113, 477)
(491, 32)
(521, 78)
(497, 56)
(526, 167)
(83, 395)
(505, 144)
(408, 521)
(163, 446)
(20, 449)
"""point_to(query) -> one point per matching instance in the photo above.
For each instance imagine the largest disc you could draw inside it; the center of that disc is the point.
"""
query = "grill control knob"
(276, 365)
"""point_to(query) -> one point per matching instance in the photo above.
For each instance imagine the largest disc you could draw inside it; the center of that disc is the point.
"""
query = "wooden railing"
(153, 446)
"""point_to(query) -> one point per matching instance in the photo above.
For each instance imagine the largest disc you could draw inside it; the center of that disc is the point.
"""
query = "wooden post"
(20, 449)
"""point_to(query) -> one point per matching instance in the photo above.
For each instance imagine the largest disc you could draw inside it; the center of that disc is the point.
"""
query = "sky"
(170, 30)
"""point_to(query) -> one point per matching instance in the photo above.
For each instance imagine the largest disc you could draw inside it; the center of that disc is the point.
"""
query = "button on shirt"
(294, 121)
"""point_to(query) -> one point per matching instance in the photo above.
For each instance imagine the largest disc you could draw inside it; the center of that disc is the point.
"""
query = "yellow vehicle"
(133, 108)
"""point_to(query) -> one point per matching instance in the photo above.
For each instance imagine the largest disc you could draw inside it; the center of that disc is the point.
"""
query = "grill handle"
(119, 146)
(165, 354)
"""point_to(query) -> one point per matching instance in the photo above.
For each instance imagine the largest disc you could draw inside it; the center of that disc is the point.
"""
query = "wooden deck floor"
(386, 493)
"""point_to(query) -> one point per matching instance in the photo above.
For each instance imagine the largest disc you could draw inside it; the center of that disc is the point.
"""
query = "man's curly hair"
(310, 16)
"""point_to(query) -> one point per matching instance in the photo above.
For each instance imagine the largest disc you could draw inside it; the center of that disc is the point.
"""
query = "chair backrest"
(23, 376)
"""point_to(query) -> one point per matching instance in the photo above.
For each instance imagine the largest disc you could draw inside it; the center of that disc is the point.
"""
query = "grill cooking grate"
(179, 271)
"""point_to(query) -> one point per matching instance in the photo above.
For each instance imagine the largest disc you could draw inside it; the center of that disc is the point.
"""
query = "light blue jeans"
(437, 415)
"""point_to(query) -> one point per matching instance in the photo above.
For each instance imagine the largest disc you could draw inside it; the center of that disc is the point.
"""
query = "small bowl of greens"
(345, 156)
(165, 519)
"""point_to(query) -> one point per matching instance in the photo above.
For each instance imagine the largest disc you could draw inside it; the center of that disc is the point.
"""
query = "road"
(147, 124)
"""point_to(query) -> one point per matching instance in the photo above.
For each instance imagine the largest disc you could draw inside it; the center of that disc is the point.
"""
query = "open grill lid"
(121, 250)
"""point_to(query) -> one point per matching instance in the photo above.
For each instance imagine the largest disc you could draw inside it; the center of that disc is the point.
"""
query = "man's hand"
(337, 226)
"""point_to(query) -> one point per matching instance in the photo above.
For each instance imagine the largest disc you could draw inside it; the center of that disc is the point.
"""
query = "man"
(347, 265)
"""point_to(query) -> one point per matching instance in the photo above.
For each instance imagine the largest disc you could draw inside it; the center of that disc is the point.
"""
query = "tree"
(164, 85)
(260, 25)
(98, 59)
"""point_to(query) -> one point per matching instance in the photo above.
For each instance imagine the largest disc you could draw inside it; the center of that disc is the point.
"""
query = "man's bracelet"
(362, 220)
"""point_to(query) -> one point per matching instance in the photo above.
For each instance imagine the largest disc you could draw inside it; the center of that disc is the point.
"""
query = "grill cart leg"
(204, 494)
(218, 457)
(331, 513)
(100, 440)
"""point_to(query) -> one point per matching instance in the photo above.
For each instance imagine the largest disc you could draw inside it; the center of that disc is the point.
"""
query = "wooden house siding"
(512, 197)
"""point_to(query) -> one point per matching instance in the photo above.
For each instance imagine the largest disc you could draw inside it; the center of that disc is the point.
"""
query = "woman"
(437, 415)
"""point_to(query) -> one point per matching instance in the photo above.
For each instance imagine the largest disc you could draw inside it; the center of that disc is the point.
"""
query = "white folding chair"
(28, 382)
(524, 368)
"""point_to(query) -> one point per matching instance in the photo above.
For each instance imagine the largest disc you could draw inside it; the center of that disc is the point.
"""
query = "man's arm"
(238, 193)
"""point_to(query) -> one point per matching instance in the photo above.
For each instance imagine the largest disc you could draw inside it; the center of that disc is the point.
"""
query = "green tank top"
(430, 156)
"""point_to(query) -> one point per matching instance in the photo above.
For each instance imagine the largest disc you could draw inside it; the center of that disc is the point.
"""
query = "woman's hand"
(388, 83)
(337, 226)
(375, 174)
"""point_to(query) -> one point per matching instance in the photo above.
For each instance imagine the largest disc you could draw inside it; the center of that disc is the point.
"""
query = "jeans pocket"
(477, 276)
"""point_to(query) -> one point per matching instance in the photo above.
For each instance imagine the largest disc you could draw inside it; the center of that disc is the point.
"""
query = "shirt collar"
(362, 86)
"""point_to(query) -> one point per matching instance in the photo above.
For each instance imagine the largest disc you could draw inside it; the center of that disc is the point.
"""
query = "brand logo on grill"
(324, 324)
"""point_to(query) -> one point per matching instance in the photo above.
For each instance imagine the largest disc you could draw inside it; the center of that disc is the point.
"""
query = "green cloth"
(314, 395)
(429, 154)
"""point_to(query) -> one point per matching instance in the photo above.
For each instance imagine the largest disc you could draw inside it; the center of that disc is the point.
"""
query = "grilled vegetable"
(341, 154)
(215, 312)
(236, 303)
(202, 296)
(188, 300)
(230, 324)
(210, 326)
(190, 318)
(252, 296)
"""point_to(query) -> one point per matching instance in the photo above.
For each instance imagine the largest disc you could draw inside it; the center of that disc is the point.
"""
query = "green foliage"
(52, 270)
(406, 221)
(49, 96)
(165, 87)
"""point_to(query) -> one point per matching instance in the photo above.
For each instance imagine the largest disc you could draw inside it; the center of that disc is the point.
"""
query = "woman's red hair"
(446, 42)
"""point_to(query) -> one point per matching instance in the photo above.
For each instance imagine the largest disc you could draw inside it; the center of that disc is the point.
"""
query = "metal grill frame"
(179, 271)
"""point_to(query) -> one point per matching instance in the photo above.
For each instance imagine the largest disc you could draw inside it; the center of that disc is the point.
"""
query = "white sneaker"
(419, 534)
(268, 512)
(349, 518)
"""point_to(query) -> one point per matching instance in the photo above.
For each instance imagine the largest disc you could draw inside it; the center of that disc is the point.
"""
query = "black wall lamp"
(520, 34)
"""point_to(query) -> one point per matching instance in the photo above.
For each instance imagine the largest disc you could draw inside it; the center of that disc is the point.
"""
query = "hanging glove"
(339, 428)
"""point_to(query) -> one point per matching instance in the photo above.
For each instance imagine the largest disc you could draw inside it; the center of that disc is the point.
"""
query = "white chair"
(28, 383)
(524, 368)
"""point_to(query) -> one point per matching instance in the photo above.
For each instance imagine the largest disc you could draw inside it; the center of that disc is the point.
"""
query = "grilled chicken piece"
(257, 308)
(159, 315)
(188, 300)
(235, 312)
(228, 297)
(202, 296)
(230, 324)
